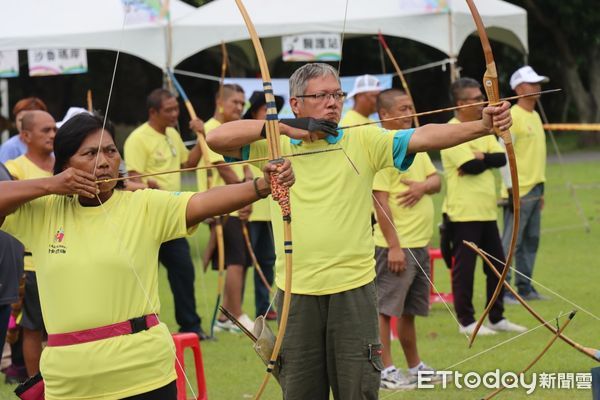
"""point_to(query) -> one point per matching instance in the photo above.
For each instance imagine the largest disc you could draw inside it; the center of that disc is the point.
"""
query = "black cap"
(257, 99)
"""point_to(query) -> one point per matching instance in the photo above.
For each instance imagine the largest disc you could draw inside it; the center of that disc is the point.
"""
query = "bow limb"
(279, 193)
(539, 356)
(589, 352)
(399, 73)
(490, 84)
(209, 183)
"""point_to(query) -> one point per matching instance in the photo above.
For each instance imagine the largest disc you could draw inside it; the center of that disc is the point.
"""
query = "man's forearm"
(384, 219)
(433, 184)
(230, 137)
(442, 136)
(228, 174)
(16, 193)
(193, 157)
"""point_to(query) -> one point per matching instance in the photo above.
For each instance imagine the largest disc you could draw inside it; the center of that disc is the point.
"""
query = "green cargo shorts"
(331, 344)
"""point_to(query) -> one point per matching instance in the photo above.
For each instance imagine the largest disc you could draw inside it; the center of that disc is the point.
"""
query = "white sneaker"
(247, 322)
(483, 331)
(395, 380)
(505, 325)
(226, 326)
(430, 373)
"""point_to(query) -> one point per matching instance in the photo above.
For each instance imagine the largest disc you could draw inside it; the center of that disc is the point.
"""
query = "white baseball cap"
(526, 74)
(365, 83)
(73, 111)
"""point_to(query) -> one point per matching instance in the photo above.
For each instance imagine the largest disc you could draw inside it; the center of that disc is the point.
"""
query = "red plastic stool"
(182, 341)
(434, 254)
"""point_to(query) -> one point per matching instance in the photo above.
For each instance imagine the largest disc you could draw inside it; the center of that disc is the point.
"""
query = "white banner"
(312, 47)
(9, 63)
(45, 62)
(144, 11)
(421, 6)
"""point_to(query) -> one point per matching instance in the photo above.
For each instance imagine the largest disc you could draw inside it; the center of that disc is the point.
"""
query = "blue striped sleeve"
(401, 139)
(245, 155)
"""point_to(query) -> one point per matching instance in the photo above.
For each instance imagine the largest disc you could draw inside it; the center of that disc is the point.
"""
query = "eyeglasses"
(322, 97)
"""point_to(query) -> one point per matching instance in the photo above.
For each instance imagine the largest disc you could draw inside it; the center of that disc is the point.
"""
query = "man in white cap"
(365, 91)
(530, 149)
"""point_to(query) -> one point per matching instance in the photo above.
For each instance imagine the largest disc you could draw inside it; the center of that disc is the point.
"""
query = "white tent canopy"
(99, 24)
(90, 24)
(445, 29)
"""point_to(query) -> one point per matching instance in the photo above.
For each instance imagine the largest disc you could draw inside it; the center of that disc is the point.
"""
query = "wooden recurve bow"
(279, 193)
(490, 85)
(399, 73)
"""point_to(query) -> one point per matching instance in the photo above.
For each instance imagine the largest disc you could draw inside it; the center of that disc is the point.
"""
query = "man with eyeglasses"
(156, 146)
(365, 91)
(332, 339)
(470, 212)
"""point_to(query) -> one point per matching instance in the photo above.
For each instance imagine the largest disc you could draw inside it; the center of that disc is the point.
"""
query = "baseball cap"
(71, 112)
(257, 99)
(526, 74)
(365, 83)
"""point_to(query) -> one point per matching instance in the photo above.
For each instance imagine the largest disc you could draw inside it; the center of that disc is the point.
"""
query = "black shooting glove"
(312, 125)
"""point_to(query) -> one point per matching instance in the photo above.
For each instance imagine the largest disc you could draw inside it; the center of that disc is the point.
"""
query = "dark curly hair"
(71, 135)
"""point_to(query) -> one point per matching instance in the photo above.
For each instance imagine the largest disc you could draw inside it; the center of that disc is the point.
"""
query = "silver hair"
(299, 79)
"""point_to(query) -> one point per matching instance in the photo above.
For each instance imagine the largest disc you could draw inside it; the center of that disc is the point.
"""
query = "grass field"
(568, 263)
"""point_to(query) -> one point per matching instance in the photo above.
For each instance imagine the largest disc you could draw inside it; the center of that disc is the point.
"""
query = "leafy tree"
(565, 37)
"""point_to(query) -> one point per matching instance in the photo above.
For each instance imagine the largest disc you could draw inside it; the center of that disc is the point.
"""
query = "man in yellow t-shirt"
(229, 104)
(332, 337)
(404, 228)
(529, 142)
(365, 91)
(38, 129)
(261, 231)
(156, 146)
(471, 212)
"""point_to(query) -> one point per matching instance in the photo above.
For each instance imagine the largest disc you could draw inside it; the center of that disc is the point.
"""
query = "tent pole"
(453, 70)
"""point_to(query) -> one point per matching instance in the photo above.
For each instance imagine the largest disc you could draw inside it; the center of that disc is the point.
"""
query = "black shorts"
(32, 311)
(236, 251)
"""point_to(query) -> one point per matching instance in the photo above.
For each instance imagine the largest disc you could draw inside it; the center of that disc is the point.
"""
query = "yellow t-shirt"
(201, 174)
(260, 208)
(215, 158)
(331, 209)
(86, 261)
(529, 142)
(470, 197)
(354, 118)
(414, 225)
(148, 151)
(22, 168)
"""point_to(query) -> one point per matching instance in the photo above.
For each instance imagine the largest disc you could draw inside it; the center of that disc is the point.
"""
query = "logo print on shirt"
(59, 236)
(57, 247)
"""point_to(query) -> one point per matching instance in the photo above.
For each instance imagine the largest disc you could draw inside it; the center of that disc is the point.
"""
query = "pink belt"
(134, 325)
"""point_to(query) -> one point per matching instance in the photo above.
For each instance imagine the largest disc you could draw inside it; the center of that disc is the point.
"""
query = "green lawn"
(568, 263)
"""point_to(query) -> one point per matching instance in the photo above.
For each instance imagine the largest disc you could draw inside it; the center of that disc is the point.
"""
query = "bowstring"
(343, 37)
(547, 323)
(109, 219)
(545, 287)
(388, 218)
